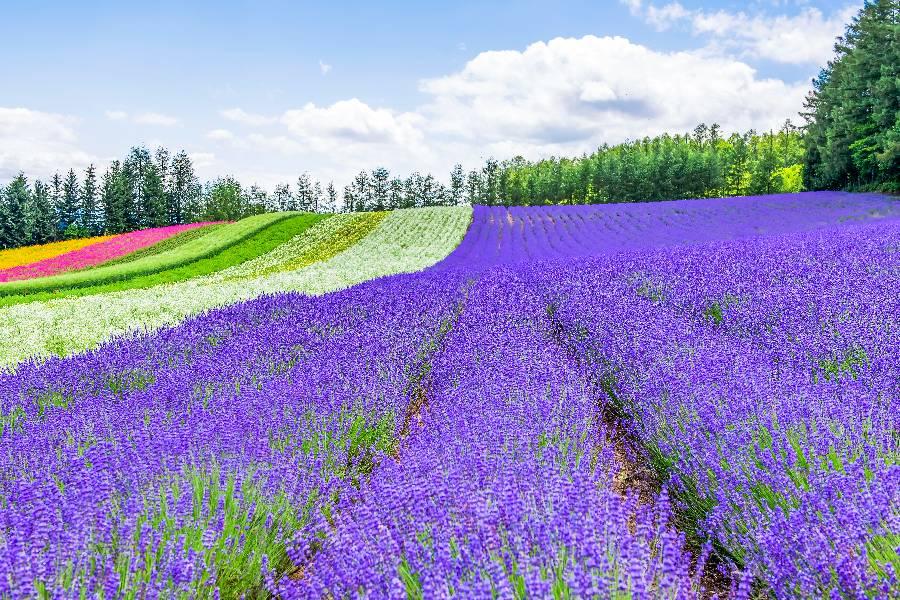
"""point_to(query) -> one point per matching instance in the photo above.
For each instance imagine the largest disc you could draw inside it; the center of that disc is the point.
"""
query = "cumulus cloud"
(353, 121)
(571, 94)
(324, 67)
(38, 143)
(806, 37)
(153, 118)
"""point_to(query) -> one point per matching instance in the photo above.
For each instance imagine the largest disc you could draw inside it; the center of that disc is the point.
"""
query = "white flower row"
(406, 241)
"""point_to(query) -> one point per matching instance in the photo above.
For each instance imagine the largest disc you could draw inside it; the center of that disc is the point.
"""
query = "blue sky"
(267, 90)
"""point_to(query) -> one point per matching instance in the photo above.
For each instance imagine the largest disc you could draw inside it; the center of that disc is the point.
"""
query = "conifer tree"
(380, 188)
(70, 206)
(15, 216)
(282, 197)
(304, 198)
(457, 189)
(329, 201)
(43, 224)
(853, 113)
(91, 218)
(183, 193)
(115, 199)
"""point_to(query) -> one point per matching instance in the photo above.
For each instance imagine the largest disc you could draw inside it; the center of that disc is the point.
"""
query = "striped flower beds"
(15, 257)
(95, 254)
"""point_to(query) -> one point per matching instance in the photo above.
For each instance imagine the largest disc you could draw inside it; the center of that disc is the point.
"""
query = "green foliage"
(697, 165)
(853, 112)
(847, 365)
(14, 226)
(75, 231)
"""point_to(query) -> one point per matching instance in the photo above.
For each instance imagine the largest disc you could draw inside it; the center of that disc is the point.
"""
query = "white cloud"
(663, 17)
(806, 37)
(324, 67)
(202, 160)
(353, 121)
(220, 134)
(38, 143)
(152, 118)
(243, 117)
(569, 95)
(116, 115)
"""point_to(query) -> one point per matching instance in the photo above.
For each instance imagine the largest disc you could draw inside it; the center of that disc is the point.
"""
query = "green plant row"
(320, 243)
(202, 247)
(164, 246)
(257, 244)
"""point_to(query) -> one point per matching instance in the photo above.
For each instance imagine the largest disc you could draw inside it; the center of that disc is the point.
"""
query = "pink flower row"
(95, 254)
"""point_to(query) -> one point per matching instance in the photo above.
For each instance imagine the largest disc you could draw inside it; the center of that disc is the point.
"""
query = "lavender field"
(669, 400)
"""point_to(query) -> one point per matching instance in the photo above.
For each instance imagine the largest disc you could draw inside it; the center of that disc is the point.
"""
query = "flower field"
(681, 399)
(91, 254)
(15, 257)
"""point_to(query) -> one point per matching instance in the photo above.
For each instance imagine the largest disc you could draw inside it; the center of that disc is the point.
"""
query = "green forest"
(849, 138)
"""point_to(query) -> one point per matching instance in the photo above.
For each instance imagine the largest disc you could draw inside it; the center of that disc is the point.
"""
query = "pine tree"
(304, 195)
(362, 192)
(163, 162)
(473, 187)
(70, 207)
(183, 193)
(148, 199)
(395, 196)
(115, 199)
(154, 207)
(43, 225)
(17, 200)
(56, 198)
(257, 200)
(317, 197)
(457, 190)
(380, 188)
(853, 113)
(329, 201)
(282, 197)
(348, 202)
(91, 217)
(225, 200)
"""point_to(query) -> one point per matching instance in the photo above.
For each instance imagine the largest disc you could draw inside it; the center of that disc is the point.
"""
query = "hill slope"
(403, 241)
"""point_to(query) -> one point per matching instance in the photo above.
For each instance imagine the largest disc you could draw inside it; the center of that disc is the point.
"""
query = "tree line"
(700, 164)
(853, 111)
(156, 189)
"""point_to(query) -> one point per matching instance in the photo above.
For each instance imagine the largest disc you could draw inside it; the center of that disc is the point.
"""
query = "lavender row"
(519, 234)
(504, 485)
(762, 377)
(180, 462)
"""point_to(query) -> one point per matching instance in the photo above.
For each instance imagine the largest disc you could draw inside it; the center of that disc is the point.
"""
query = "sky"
(265, 90)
